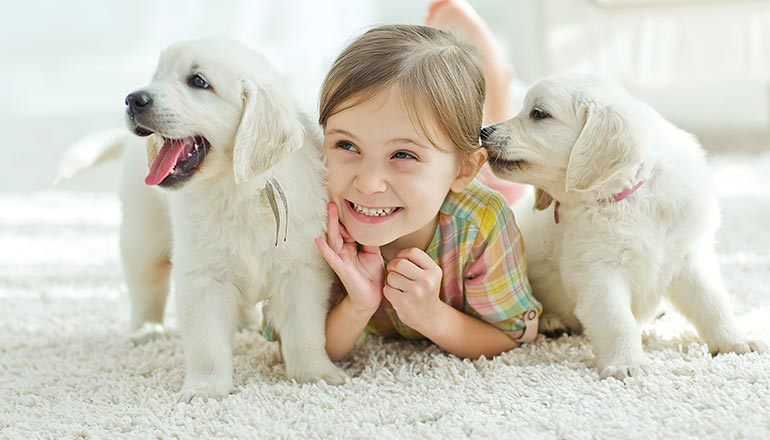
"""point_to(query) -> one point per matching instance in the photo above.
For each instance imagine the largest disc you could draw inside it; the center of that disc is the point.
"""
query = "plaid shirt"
(480, 251)
(481, 254)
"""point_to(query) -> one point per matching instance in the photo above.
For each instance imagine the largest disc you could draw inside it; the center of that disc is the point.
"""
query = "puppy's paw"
(552, 326)
(739, 346)
(149, 331)
(205, 390)
(335, 376)
(330, 373)
(759, 346)
(622, 370)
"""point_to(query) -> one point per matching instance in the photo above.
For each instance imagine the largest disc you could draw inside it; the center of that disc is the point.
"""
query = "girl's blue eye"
(345, 145)
(403, 155)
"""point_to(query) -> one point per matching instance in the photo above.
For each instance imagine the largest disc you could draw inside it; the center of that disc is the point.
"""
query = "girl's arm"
(412, 286)
(344, 325)
(504, 313)
(361, 272)
(464, 335)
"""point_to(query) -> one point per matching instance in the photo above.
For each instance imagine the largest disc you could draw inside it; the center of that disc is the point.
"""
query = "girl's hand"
(412, 286)
(361, 272)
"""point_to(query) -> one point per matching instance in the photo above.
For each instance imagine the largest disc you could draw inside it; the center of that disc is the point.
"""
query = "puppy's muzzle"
(497, 141)
(487, 132)
(137, 102)
(493, 138)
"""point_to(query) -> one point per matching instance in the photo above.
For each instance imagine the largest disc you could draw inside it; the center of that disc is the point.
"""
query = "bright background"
(66, 66)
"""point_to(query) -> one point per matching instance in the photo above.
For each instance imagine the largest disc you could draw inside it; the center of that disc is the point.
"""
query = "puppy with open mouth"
(223, 191)
(242, 198)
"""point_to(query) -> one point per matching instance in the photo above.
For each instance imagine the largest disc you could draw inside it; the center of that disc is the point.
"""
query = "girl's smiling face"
(387, 179)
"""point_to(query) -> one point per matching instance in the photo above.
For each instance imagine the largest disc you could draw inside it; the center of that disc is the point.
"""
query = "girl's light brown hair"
(440, 77)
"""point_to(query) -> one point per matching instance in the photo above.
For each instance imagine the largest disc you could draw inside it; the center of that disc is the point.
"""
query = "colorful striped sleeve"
(496, 286)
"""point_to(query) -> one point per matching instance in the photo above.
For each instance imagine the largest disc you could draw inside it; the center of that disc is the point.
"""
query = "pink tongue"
(167, 157)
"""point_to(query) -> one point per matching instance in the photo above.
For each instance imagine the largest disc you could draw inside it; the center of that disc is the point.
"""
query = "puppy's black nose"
(486, 132)
(138, 102)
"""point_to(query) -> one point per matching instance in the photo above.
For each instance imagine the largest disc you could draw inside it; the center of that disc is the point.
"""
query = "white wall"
(705, 64)
(67, 66)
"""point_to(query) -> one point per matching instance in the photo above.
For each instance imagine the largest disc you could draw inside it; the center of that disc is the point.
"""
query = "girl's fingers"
(398, 281)
(333, 237)
(406, 268)
(346, 237)
(418, 257)
(336, 233)
(391, 294)
(329, 255)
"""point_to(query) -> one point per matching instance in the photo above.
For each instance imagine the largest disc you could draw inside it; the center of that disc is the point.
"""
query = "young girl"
(422, 249)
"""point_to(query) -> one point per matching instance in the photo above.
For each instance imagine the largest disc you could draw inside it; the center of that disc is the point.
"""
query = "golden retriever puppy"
(633, 218)
(228, 208)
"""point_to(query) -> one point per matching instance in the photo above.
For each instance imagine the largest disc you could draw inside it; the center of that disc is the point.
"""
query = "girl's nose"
(370, 180)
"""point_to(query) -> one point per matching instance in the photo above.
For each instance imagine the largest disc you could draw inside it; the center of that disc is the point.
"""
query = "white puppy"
(633, 221)
(241, 196)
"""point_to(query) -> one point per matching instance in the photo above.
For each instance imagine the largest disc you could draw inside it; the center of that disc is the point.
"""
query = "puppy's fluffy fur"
(211, 228)
(606, 265)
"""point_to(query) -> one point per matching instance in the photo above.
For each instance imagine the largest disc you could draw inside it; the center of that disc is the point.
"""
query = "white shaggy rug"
(67, 370)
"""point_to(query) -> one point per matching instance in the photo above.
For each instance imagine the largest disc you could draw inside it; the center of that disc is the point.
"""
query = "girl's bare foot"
(458, 16)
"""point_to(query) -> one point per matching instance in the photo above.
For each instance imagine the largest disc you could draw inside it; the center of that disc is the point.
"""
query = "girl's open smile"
(371, 215)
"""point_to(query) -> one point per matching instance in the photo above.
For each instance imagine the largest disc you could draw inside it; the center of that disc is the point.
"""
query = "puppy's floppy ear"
(269, 130)
(606, 146)
(542, 199)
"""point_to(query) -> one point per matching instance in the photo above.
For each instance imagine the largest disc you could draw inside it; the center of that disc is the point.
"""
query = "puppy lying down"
(626, 216)
(228, 207)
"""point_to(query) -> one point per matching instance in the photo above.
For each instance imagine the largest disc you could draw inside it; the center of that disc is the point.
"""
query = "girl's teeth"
(374, 212)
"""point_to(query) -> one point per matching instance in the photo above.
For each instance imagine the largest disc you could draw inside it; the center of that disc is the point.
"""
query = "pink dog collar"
(616, 198)
(620, 196)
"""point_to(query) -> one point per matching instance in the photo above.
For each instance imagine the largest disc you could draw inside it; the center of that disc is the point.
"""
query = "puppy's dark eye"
(198, 82)
(538, 114)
